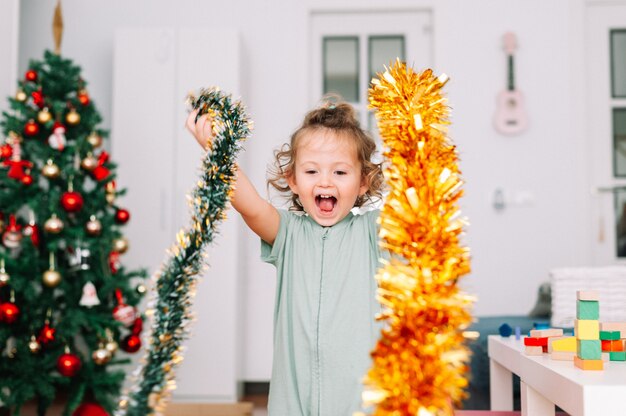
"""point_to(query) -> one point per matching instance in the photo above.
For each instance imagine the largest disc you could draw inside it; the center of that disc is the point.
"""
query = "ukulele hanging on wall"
(510, 117)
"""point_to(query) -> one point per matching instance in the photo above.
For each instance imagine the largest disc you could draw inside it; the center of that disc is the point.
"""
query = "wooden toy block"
(613, 326)
(586, 329)
(536, 342)
(562, 344)
(534, 350)
(609, 335)
(618, 355)
(544, 333)
(589, 349)
(587, 295)
(563, 355)
(606, 357)
(588, 364)
(587, 309)
(612, 346)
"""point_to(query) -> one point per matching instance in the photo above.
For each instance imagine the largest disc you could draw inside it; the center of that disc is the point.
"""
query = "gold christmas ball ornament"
(110, 198)
(53, 225)
(50, 170)
(111, 347)
(20, 96)
(94, 139)
(33, 345)
(72, 118)
(101, 356)
(120, 245)
(93, 226)
(51, 278)
(89, 163)
(44, 116)
(141, 289)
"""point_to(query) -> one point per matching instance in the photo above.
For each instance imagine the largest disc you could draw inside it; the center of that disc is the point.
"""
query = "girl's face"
(327, 176)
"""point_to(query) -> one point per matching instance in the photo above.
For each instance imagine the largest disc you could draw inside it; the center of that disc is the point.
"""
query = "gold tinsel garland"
(420, 360)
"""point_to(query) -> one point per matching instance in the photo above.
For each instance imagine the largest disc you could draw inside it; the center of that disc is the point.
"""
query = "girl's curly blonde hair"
(340, 118)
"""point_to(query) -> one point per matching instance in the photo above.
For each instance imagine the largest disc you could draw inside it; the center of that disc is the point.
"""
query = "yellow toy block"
(562, 344)
(587, 329)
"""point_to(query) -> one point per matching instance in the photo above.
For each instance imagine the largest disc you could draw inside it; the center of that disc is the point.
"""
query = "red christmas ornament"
(38, 98)
(6, 151)
(68, 364)
(16, 168)
(137, 326)
(114, 261)
(122, 216)
(32, 230)
(9, 312)
(31, 128)
(47, 334)
(72, 201)
(101, 172)
(83, 97)
(90, 409)
(31, 75)
(27, 180)
(123, 313)
(131, 343)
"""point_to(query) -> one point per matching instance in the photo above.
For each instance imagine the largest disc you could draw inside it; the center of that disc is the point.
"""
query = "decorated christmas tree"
(66, 302)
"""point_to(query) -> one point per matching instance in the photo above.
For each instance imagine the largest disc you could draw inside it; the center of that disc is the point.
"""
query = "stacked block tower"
(587, 331)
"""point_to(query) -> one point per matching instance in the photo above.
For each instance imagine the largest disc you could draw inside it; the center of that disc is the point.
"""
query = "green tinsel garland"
(175, 283)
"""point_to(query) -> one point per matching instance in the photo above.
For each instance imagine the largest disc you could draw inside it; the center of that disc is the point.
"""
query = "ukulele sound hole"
(511, 123)
(512, 103)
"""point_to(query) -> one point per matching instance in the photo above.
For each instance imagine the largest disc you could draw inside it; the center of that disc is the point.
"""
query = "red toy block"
(536, 341)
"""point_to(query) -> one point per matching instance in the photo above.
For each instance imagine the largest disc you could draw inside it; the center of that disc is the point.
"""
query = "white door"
(349, 48)
(154, 69)
(606, 128)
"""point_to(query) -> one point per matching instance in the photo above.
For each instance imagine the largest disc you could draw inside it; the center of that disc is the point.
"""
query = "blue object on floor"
(541, 325)
(505, 330)
(518, 333)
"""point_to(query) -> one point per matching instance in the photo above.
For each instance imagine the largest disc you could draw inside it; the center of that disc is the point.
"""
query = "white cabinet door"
(605, 114)
(154, 69)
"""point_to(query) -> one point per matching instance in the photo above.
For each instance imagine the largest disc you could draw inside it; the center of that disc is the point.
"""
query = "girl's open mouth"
(325, 203)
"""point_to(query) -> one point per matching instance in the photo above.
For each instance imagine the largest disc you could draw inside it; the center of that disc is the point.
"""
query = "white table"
(546, 382)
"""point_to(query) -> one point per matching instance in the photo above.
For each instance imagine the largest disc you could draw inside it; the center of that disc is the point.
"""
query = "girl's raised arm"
(261, 216)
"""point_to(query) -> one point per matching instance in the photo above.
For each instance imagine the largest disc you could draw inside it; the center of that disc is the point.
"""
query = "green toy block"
(617, 356)
(610, 335)
(589, 349)
(587, 309)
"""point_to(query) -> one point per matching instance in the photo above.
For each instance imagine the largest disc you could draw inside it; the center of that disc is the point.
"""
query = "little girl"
(325, 257)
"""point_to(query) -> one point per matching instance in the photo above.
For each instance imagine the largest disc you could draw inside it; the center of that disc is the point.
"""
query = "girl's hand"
(201, 129)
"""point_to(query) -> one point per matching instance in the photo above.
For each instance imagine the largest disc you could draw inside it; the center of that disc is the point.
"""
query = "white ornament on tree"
(90, 296)
(57, 138)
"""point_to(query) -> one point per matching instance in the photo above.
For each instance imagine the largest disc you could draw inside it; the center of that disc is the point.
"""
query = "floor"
(260, 404)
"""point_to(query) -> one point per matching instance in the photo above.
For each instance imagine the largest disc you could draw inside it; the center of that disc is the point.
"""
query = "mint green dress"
(324, 316)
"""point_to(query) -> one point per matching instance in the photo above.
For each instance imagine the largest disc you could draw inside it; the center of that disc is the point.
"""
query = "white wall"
(512, 250)
(9, 31)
